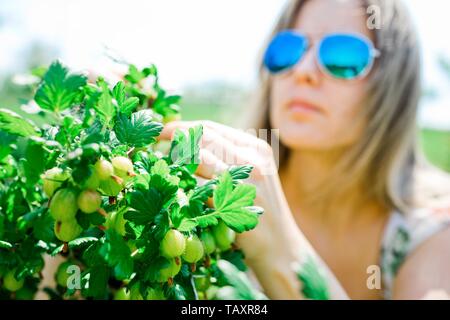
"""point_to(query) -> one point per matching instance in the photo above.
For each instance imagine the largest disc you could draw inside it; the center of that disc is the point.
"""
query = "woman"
(342, 214)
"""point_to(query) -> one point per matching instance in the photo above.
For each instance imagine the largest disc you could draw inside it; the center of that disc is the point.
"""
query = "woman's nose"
(306, 70)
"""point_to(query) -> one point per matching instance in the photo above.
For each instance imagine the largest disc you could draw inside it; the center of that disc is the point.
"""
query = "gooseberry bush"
(95, 185)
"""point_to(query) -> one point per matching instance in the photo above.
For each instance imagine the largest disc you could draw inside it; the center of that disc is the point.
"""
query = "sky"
(190, 41)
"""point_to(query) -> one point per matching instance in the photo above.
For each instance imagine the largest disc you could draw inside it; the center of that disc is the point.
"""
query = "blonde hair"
(384, 161)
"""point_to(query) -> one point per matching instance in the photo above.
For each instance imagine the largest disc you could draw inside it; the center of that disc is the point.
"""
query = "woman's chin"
(297, 140)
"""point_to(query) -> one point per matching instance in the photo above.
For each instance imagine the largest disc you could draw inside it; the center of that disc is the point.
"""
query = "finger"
(169, 129)
(238, 137)
(210, 166)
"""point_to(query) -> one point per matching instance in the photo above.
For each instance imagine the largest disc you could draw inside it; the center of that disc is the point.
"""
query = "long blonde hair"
(385, 161)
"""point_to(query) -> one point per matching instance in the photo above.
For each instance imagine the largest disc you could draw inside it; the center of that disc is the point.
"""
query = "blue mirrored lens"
(284, 51)
(345, 56)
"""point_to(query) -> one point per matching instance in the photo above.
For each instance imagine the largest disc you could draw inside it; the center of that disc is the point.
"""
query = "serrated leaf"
(240, 220)
(117, 254)
(126, 106)
(146, 204)
(104, 106)
(161, 168)
(43, 228)
(139, 130)
(59, 90)
(129, 105)
(207, 220)
(57, 250)
(162, 225)
(13, 123)
(166, 188)
(118, 93)
(187, 225)
(242, 196)
(240, 172)
(223, 191)
(81, 241)
(98, 282)
(234, 207)
(152, 269)
(35, 161)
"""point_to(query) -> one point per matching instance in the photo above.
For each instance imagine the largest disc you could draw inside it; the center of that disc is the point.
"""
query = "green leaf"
(35, 161)
(240, 172)
(313, 282)
(59, 90)
(104, 106)
(138, 131)
(98, 282)
(57, 250)
(162, 225)
(160, 167)
(81, 242)
(223, 191)
(129, 105)
(207, 220)
(238, 280)
(166, 188)
(12, 123)
(175, 292)
(240, 220)
(43, 228)
(118, 93)
(187, 225)
(166, 105)
(146, 204)
(236, 257)
(118, 255)
(126, 106)
(152, 269)
(231, 205)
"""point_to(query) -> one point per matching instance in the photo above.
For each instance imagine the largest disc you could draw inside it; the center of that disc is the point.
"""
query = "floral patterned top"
(403, 234)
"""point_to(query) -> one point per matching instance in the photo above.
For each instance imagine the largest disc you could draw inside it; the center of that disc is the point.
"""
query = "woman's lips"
(301, 108)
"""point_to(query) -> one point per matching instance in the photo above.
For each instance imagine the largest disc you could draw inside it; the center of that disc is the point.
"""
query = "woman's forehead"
(319, 17)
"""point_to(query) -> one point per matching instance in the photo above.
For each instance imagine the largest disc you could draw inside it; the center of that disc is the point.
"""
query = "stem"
(195, 289)
(102, 212)
(130, 152)
(117, 179)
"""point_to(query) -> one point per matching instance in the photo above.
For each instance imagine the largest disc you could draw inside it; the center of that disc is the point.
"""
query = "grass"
(436, 146)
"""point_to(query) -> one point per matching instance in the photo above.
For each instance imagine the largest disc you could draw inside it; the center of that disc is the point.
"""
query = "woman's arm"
(425, 274)
(281, 257)
(284, 262)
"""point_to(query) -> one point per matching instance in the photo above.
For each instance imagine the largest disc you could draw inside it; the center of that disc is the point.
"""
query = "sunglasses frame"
(373, 53)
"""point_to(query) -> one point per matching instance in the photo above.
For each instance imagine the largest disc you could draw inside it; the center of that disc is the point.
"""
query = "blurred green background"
(221, 102)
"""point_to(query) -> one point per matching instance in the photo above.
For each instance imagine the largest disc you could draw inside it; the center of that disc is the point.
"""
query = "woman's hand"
(276, 244)
(221, 147)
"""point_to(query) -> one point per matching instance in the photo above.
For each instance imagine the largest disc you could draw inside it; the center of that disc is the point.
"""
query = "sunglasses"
(345, 56)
